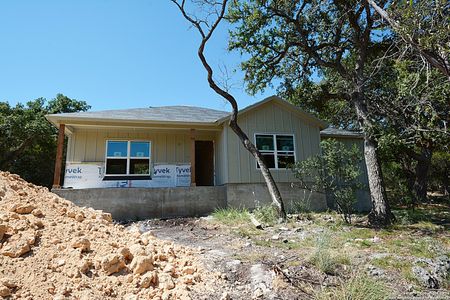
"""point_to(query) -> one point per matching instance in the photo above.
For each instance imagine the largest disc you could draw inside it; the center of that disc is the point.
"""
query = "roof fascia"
(88, 122)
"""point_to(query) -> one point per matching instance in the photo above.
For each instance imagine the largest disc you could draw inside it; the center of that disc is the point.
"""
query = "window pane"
(285, 160)
(117, 148)
(269, 159)
(285, 143)
(116, 166)
(139, 166)
(140, 149)
(264, 142)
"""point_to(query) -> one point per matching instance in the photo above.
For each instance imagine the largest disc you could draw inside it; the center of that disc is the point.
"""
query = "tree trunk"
(274, 192)
(380, 215)
(421, 182)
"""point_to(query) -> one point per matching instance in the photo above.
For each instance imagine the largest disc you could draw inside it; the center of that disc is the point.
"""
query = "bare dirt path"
(250, 271)
(275, 263)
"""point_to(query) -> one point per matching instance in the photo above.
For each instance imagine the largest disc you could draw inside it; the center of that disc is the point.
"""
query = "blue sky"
(110, 53)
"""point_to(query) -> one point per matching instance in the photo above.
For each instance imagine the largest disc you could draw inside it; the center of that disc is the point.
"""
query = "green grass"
(324, 257)
(419, 234)
(231, 216)
(358, 287)
(398, 264)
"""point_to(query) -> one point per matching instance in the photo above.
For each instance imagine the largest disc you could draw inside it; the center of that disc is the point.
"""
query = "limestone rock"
(148, 279)
(3, 229)
(106, 217)
(169, 284)
(79, 217)
(18, 245)
(137, 249)
(112, 263)
(169, 268)
(189, 270)
(85, 266)
(141, 264)
(4, 291)
(126, 253)
(189, 279)
(37, 213)
(82, 243)
(23, 208)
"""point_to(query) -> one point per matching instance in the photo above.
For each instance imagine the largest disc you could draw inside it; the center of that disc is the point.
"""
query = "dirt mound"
(52, 249)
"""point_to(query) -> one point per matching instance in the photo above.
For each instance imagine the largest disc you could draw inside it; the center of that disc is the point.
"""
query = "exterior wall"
(140, 203)
(253, 195)
(143, 203)
(168, 146)
(87, 146)
(221, 150)
(268, 118)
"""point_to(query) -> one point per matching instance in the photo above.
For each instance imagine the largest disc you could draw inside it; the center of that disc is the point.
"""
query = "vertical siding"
(269, 118)
(168, 146)
(221, 171)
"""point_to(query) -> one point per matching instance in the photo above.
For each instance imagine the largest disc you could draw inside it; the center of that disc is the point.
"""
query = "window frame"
(128, 157)
(275, 150)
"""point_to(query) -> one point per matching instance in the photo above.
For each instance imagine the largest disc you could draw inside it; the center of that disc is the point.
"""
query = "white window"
(128, 158)
(278, 150)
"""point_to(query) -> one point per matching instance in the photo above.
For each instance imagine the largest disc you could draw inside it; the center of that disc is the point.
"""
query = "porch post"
(192, 157)
(59, 156)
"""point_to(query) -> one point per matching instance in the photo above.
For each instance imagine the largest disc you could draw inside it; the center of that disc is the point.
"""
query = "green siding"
(269, 118)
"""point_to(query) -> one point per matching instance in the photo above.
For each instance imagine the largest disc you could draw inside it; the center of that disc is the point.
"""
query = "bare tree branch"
(206, 35)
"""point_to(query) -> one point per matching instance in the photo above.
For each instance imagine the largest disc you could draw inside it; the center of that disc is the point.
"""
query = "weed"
(322, 257)
(231, 216)
(247, 232)
(266, 215)
(358, 287)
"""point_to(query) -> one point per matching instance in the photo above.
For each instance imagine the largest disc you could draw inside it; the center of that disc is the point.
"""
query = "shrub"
(266, 214)
(335, 172)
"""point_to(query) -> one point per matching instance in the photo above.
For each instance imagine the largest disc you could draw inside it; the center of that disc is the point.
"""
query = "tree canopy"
(28, 140)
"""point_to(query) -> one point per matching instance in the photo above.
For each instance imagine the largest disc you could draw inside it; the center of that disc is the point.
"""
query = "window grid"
(128, 158)
(276, 152)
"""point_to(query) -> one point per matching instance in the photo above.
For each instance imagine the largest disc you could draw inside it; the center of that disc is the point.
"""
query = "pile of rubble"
(52, 249)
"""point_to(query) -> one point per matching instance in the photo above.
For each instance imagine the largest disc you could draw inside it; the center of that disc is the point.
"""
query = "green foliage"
(28, 140)
(266, 214)
(440, 173)
(359, 287)
(335, 172)
(426, 23)
(314, 52)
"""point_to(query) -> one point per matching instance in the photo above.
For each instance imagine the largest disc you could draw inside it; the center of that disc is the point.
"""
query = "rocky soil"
(52, 249)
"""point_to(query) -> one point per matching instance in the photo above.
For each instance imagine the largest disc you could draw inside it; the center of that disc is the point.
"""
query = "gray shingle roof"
(188, 114)
(330, 131)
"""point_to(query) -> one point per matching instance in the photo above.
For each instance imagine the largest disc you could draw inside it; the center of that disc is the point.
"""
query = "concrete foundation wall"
(252, 195)
(144, 203)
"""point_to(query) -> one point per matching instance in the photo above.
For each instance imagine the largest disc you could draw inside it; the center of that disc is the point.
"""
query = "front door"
(204, 163)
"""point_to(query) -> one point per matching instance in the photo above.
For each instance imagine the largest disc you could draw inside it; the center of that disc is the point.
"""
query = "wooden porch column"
(59, 156)
(192, 157)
